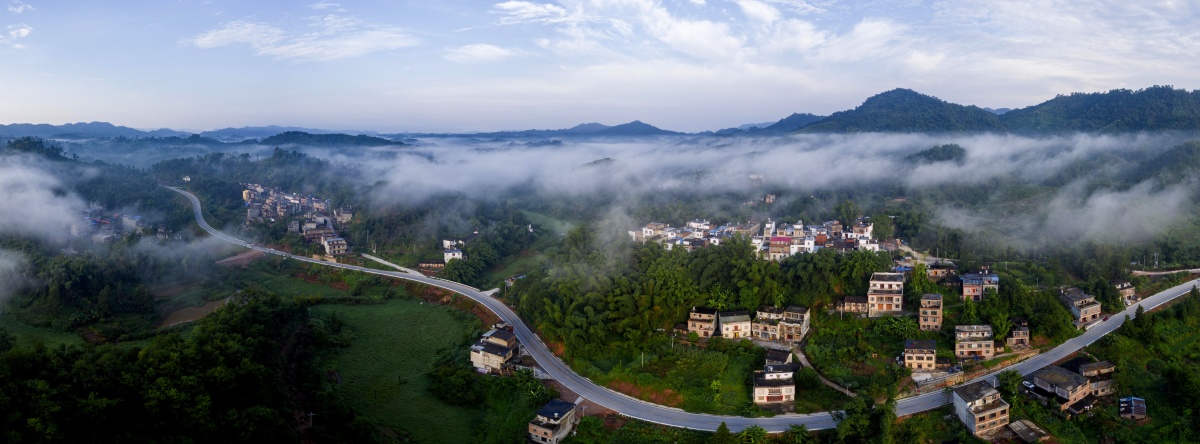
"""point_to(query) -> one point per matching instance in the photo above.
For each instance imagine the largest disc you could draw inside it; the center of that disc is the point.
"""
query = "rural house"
(553, 422)
(980, 408)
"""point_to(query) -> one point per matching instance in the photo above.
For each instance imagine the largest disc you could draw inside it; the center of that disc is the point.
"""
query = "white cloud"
(31, 201)
(19, 7)
(15, 34)
(325, 5)
(328, 37)
(697, 2)
(481, 52)
(522, 11)
(760, 11)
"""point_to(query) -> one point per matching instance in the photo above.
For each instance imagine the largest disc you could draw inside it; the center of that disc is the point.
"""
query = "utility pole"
(310, 417)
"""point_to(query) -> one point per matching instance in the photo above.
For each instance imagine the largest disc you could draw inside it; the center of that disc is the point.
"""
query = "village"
(1072, 388)
(313, 219)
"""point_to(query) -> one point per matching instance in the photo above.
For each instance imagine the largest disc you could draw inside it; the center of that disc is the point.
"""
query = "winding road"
(659, 414)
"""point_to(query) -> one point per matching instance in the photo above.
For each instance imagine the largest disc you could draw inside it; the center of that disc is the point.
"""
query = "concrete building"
(734, 324)
(553, 422)
(886, 294)
(493, 351)
(702, 321)
(1083, 306)
(451, 253)
(974, 341)
(920, 354)
(930, 318)
(774, 384)
(980, 408)
(976, 285)
(1068, 389)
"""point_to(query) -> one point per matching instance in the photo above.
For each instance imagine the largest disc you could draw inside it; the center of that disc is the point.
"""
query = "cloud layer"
(328, 37)
(34, 202)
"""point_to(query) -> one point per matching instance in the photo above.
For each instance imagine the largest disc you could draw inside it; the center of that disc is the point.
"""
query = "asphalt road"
(659, 414)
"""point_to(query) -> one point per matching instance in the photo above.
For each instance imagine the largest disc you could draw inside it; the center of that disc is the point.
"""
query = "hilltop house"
(774, 384)
(553, 422)
(939, 270)
(494, 351)
(781, 324)
(702, 321)
(1019, 337)
(1127, 291)
(931, 312)
(920, 354)
(974, 341)
(980, 408)
(975, 285)
(734, 324)
(886, 294)
(1069, 389)
(853, 304)
(334, 246)
(1082, 305)
(451, 253)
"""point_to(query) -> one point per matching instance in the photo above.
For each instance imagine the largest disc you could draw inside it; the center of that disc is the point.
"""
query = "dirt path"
(191, 313)
(804, 361)
(242, 259)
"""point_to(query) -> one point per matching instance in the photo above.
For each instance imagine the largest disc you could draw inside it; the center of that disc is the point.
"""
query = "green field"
(28, 335)
(383, 370)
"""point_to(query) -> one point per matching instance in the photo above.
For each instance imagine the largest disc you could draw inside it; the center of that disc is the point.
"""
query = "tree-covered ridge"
(907, 111)
(942, 153)
(1158, 108)
(240, 375)
(326, 140)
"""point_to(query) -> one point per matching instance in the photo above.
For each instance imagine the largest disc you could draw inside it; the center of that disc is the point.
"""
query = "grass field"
(547, 222)
(28, 335)
(383, 370)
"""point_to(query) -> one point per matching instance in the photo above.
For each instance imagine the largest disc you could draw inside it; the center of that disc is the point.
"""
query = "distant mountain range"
(1158, 108)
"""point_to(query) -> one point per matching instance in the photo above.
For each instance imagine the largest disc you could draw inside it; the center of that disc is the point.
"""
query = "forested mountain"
(259, 132)
(1157, 108)
(323, 140)
(74, 130)
(907, 111)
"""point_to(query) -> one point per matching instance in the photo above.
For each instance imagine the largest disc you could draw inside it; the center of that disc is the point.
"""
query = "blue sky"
(453, 65)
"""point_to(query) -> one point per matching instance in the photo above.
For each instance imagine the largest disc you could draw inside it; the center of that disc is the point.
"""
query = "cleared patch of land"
(28, 335)
(383, 370)
(191, 313)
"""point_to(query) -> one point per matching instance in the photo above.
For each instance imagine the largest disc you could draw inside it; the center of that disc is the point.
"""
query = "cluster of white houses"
(774, 324)
(775, 241)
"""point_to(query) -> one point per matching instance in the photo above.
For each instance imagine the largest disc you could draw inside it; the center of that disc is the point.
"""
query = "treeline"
(243, 374)
(100, 285)
(494, 243)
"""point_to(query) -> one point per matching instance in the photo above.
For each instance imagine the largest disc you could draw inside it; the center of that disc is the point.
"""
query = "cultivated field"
(383, 371)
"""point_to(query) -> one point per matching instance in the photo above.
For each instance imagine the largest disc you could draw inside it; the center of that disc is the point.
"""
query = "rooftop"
(1075, 295)
(555, 409)
(972, 328)
(920, 344)
(777, 355)
(502, 335)
(1060, 377)
(795, 309)
(1096, 366)
(887, 277)
(976, 391)
(1028, 431)
(931, 297)
(760, 380)
(735, 316)
(856, 299)
(779, 368)
(704, 310)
